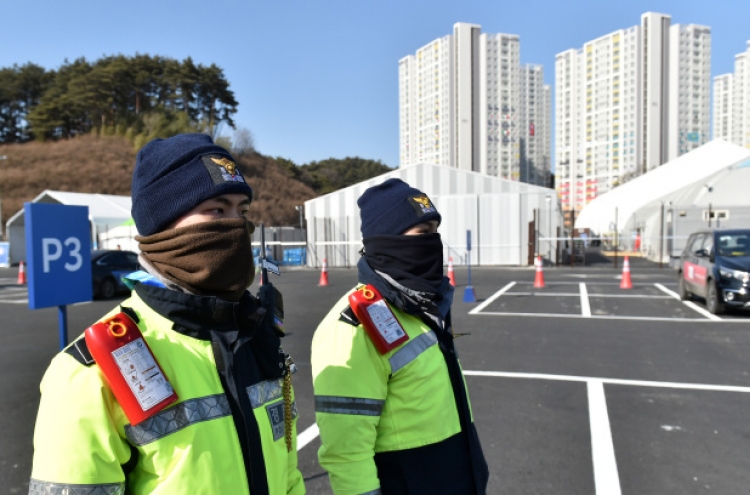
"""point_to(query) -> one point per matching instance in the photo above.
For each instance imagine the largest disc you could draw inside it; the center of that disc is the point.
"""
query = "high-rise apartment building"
(628, 102)
(732, 102)
(741, 99)
(690, 88)
(723, 122)
(465, 101)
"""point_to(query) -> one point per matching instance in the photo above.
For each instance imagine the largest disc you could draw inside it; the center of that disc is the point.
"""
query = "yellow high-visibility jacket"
(373, 409)
(216, 439)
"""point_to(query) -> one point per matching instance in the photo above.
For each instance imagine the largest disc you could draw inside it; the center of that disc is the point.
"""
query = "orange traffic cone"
(539, 278)
(626, 283)
(451, 275)
(21, 274)
(324, 274)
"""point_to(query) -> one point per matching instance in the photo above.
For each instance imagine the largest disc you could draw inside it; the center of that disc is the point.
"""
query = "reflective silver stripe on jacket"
(348, 405)
(37, 487)
(411, 350)
(374, 492)
(265, 392)
(178, 417)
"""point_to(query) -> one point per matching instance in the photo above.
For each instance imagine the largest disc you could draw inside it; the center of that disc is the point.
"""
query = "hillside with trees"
(78, 129)
(104, 165)
(138, 97)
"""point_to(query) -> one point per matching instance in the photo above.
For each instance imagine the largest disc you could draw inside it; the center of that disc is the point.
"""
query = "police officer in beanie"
(232, 429)
(390, 399)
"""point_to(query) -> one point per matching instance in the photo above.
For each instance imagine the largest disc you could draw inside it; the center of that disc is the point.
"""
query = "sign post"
(469, 294)
(58, 256)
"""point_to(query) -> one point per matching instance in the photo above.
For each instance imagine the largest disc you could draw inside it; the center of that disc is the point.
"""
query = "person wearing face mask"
(232, 427)
(390, 399)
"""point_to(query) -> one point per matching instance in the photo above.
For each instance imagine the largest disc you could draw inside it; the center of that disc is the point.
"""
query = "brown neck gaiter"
(212, 258)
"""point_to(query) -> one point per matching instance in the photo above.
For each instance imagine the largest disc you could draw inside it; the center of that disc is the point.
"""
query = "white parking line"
(492, 298)
(606, 477)
(585, 306)
(14, 295)
(608, 317)
(668, 292)
(698, 309)
(611, 381)
(307, 436)
(577, 294)
(543, 294)
(689, 304)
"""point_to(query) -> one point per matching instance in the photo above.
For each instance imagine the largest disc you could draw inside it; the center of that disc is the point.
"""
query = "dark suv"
(715, 266)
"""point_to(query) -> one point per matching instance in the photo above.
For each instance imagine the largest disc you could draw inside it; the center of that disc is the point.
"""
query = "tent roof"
(684, 177)
(104, 209)
(440, 180)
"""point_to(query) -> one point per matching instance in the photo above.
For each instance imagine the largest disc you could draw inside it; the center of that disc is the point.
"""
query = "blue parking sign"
(58, 254)
(4, 254)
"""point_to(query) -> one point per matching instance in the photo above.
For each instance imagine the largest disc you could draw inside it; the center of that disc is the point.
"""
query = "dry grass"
(91, 164)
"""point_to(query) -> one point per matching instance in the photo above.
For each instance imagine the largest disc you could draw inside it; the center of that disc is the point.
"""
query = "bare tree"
(243, 142)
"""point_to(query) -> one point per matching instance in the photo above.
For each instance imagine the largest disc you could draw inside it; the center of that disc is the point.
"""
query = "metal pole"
(537, 218)
(617, 239)
(2, 225)
(62, 320)
(661, 239)
(520, 230)
(549, 228)
(572, 222)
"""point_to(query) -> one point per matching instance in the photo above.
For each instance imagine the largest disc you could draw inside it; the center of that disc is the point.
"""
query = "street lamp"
(709, 189)
(302, 236)
(300, 208)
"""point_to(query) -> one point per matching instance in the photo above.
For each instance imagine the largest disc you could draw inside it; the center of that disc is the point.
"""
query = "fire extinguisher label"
(139, 368)
(385, 322)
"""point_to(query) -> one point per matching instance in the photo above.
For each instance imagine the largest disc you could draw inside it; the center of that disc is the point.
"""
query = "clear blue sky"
(319, 79)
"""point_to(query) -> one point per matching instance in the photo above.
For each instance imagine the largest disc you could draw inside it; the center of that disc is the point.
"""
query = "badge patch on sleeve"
(222, 169)
(422, 205)
(276, 417)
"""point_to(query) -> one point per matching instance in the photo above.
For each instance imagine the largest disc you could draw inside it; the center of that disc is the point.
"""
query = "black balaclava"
(389, 209)
(414, 261)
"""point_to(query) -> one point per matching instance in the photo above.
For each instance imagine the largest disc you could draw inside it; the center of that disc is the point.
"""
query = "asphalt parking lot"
(579, 387)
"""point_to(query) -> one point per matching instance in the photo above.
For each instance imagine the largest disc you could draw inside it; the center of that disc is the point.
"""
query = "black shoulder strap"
(347, 316)
(131, 313)
(80, 352)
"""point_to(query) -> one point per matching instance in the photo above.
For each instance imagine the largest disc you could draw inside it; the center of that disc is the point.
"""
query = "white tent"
(689, 171)
(496, 211)
(665, 205)
(120, 237)
(106, 212)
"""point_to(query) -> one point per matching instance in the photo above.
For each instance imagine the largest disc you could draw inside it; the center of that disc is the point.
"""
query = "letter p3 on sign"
(58, 254)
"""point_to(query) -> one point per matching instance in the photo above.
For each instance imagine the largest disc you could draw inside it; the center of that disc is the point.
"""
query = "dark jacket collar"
(405, 299)
(195, 316)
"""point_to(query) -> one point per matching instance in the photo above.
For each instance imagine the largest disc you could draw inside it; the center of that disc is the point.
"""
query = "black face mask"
(414, 261)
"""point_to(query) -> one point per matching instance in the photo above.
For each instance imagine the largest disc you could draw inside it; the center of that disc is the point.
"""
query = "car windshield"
(734, 244)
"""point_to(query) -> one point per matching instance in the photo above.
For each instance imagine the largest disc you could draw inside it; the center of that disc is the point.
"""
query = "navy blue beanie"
(394, 207)
(174, 175)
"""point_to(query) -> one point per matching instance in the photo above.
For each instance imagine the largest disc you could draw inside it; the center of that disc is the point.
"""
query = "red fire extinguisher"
(129, 367)
(381, 324)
